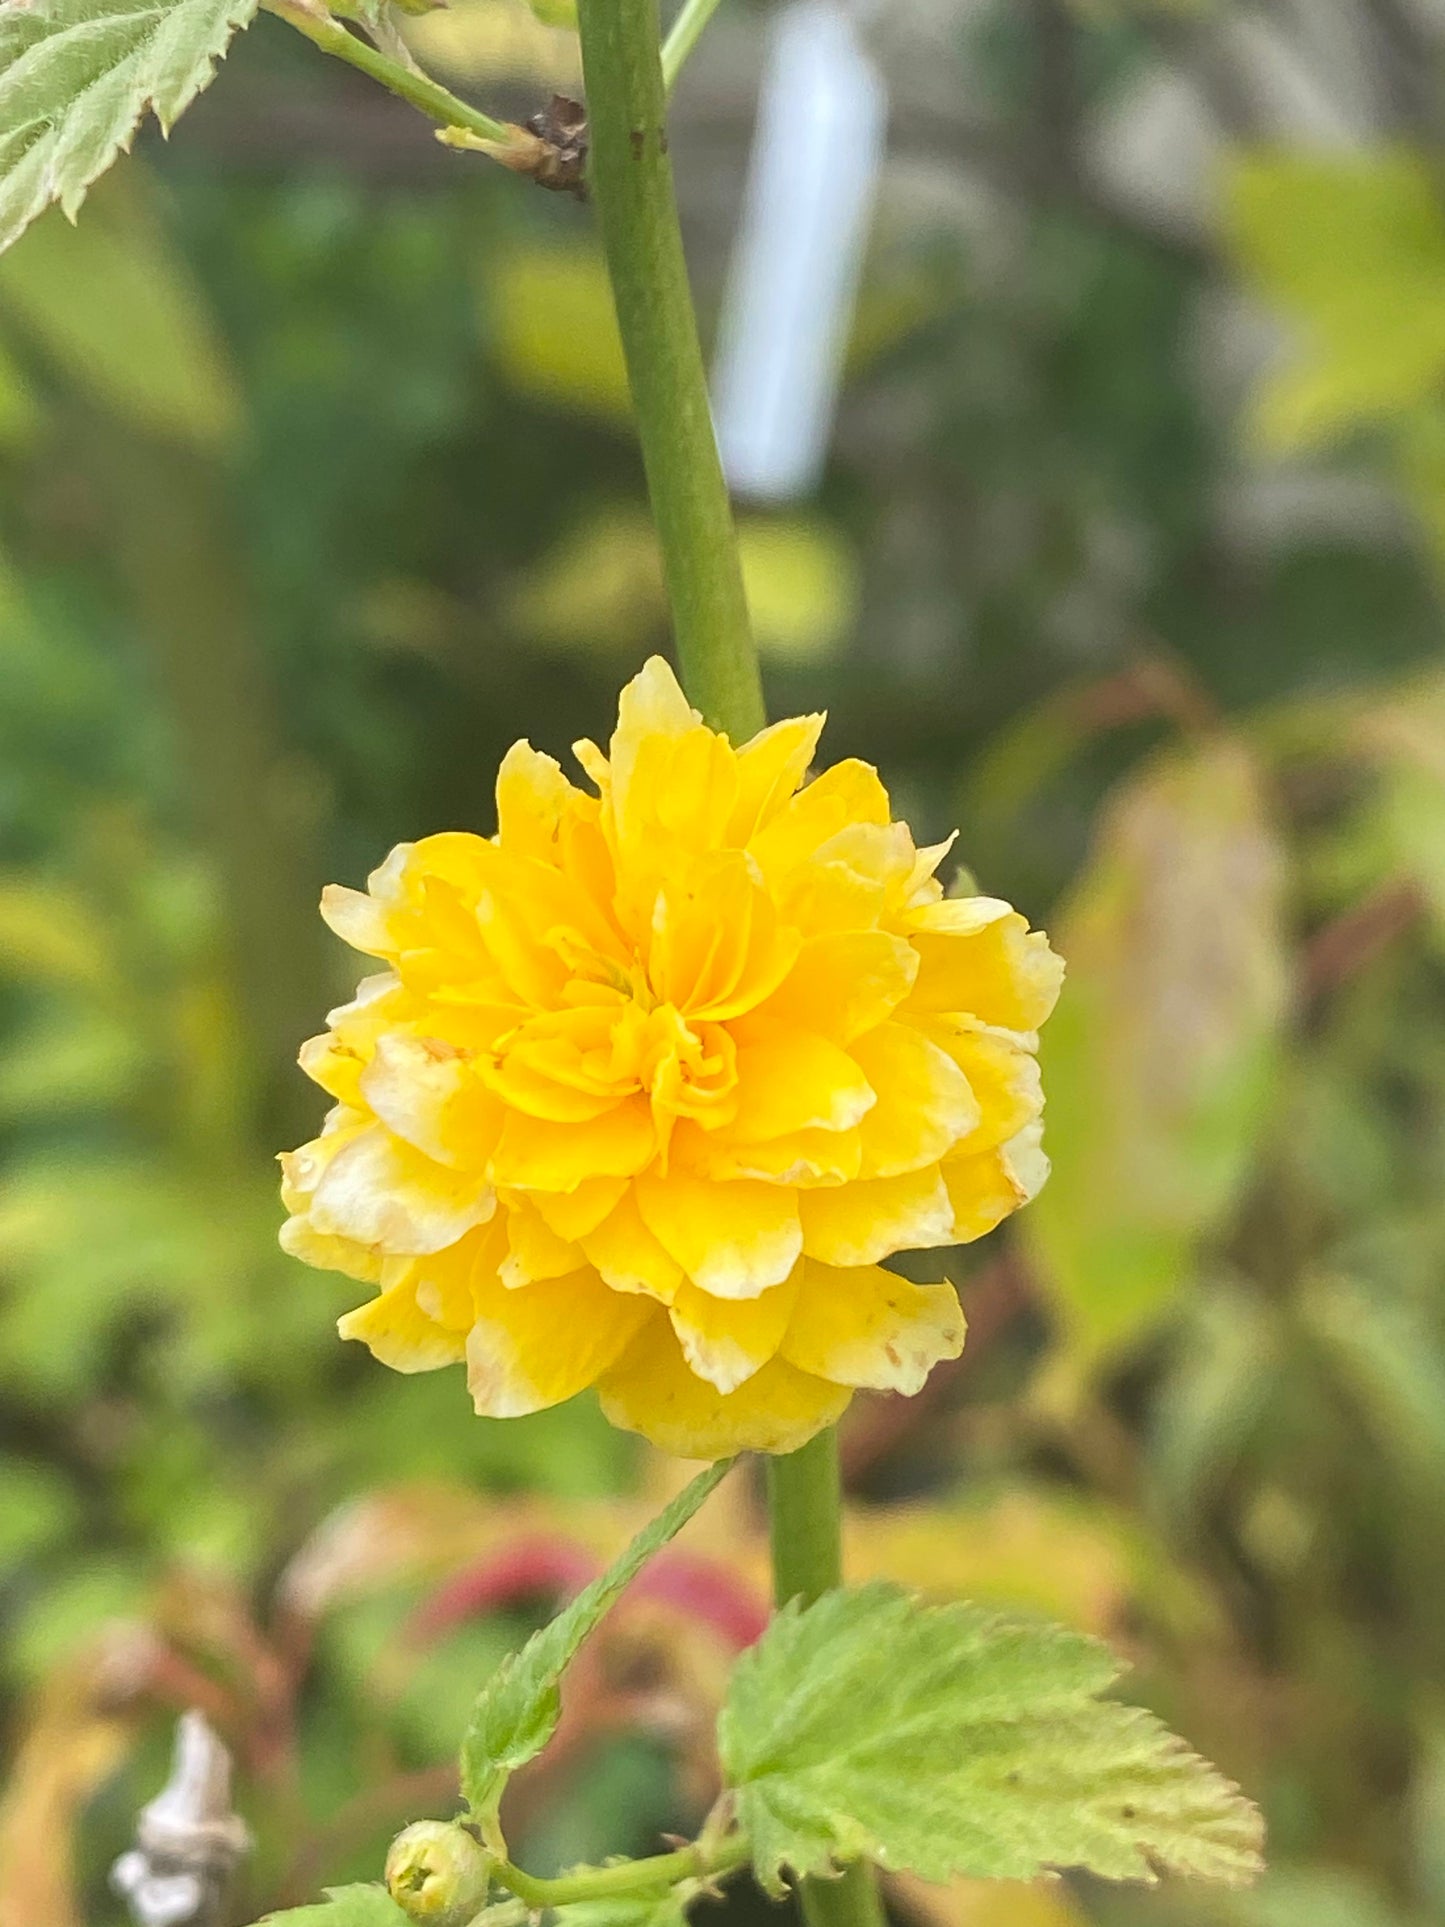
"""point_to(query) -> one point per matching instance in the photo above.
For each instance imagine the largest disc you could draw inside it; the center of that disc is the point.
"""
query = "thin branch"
(682, 36)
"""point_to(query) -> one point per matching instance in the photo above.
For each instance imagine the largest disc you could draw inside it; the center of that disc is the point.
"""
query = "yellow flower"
(654, 1079)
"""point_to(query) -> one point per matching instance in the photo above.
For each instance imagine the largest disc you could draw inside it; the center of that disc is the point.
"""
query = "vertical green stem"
(631, 177)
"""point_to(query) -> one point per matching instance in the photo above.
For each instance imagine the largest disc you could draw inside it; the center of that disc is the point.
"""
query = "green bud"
(437, 1872)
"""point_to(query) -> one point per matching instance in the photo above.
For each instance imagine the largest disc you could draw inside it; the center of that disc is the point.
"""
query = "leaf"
(632, 1910)
(943, 1741)
(518, 1709)
(344, 1907)
(76, 78)
(1160, 1061)
(113, 305)
(1351, 249)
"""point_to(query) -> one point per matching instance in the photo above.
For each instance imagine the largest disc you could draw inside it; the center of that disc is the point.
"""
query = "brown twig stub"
(551, 149)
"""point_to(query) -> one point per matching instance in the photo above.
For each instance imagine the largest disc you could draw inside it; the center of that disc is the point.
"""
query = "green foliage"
(1154, 1115)
(76, 78)
(518, 1709)
(1351, 249)
(117, 310)
(359, 1906)
(631, 1910)
(941, 1740)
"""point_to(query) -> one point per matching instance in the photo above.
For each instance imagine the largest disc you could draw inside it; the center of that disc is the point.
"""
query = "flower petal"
(533, 798)
(381, 1192)
(536, 1347)
(534, 1251)
(866, 1327)
(650, 1390)
(978, 956)
(770, 767)
(629, 1257)
(986, 1187)
(924, 1104)
(844, 984)
(535, 1155)
(1001, 1073)
(724, 1341)
(426, 1092)
(398, 1333)
(735, 1240)
(572, 1214)
(857, 1224)
(796, 1081)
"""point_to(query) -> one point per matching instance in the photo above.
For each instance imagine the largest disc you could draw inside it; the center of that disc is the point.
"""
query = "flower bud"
(437, 1872)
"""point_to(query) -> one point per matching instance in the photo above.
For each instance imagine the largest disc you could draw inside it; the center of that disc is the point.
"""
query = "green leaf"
(1160, 1061)
(1351, 249)
(344, 1907)
(114, 308)
(632, 1910)
(940, 1740)
(76, 78)
(517, 1710)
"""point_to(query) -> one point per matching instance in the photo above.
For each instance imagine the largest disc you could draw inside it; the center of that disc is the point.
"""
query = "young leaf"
(343, 1907)
(942, 1741)
(518, 1708)
(76, 78)
(631, 1910)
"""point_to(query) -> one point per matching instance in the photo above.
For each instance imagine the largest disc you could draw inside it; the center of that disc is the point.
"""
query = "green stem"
(805, 1498)
(656, 1875)
(631, 177)
(423, 92)
(682, 36)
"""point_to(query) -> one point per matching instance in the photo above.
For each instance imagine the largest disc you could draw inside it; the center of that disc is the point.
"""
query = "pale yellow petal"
(770, 767)
(844, 984)
(426, 1092)
(359, 920)
(297, 1238)
(378, 1191)
(725, 1341)
(572, 1214)
(858, 1224)
(735, 1240)
(866, 1327)
(533, 797)
(651, 1390)
(1002, 1074)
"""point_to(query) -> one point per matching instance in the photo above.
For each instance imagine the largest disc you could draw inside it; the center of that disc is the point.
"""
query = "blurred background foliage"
(319, 489)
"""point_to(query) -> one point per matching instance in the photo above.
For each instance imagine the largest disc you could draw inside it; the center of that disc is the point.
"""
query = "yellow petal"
(357, 919)
(735, 1240)
(725, 1342)
(534, 1155)
(426, 1092)
(381, 1192)
(629, 1257)
(796, 1081)
(844, 984)
(978, 956)
(924, 1104)
(847, 792)
(1002, 1075)
(650, 1390)
(398, 1333)
(298, 1240)
(572, 1214)
(985, 1188)
(865, 1327)
(857, 1224)
(533, 797)
(534, 1251)
(770, 768)
(802, 1157)
(536, 1347)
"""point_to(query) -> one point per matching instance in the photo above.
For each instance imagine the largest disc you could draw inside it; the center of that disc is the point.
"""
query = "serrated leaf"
(518, 1709)
(631, 1910)
(943, 1741)
(78, 76)
(343, 1907)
